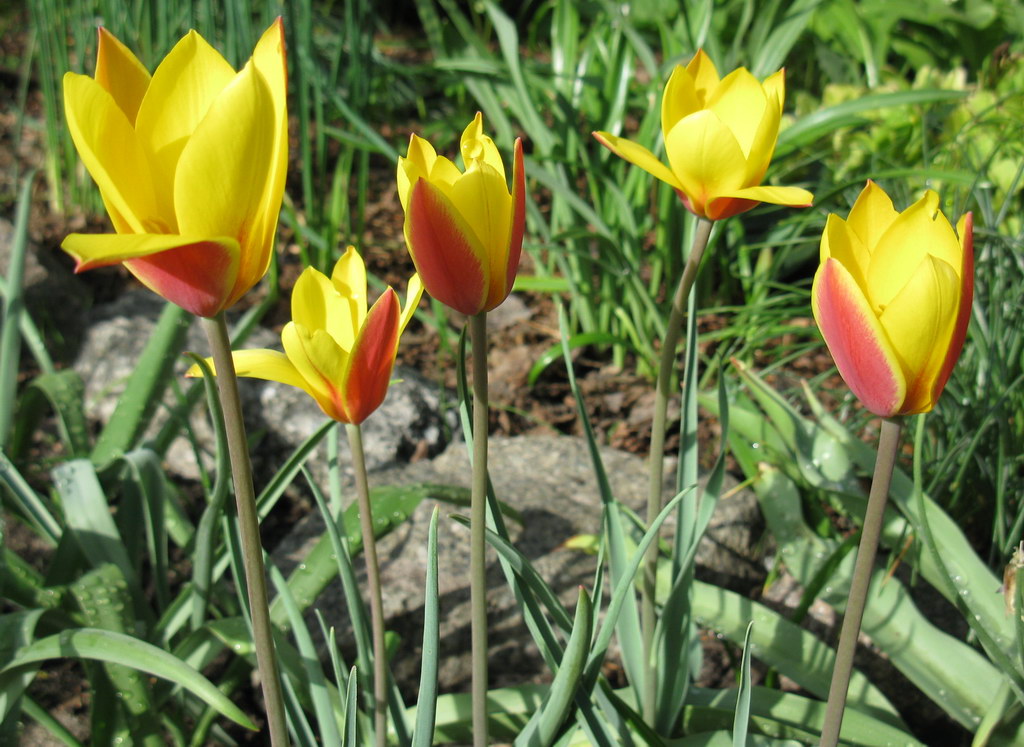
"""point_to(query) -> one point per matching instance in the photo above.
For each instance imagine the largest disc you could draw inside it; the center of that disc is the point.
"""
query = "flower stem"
(888, 445)
(249, 528)
(380, 672)
(477, 525)
(673, 330)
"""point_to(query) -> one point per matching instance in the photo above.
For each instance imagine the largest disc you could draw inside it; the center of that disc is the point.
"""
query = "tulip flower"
(334, 349)
(719, 135)
(190, 163)
(464, 230)
(892, 297)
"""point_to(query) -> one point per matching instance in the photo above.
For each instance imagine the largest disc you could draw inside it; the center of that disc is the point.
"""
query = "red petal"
(197, 277)
(444, 251)
(855, 338)
(373, 356)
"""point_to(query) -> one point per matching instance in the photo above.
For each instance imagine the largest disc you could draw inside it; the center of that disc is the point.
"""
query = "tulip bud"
(892, 297)
(465, 229)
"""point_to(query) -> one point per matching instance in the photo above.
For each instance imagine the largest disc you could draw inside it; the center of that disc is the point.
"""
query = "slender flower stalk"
(477, 525)
(888, 444)
(249, 529)
(380, 664)
(673, 330)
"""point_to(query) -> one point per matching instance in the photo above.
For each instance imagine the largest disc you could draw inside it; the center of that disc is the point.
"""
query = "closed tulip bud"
(190, 163)
(464, 229)
(892, 297)
(334, 349)
(719, 135)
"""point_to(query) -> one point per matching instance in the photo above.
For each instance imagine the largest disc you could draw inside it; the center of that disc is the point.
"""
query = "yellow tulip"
(334, 349)
(719, 135)
(190, 163)
(892, 297)
(464, 230)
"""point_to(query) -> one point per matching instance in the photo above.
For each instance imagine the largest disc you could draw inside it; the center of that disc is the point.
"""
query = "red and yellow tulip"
(190, 163)
(465, 229)
(334, 349)
(719, 135)
(892, 298)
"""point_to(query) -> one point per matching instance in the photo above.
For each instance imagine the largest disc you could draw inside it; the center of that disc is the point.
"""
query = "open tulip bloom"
(334, 349)
(465, 229)
(719, 136)
(190, 163)
(892, 298)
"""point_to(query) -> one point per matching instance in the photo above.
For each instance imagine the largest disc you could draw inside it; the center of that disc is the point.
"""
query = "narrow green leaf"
(14, 308)
(426, 702)
(145, 387)
(63, 392)
(116, 648)
(739, 727)
(543, 727)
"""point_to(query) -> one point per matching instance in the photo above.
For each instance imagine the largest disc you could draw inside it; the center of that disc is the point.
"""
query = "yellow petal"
(775, 88)
(476, 146)
(121, 74)
(763, 144)
(269, 365)
(111, 152)
(639, 156)
(349, 278)
(481, 196)
(740, 102)
(919, 323)
(316, 304)
(871, 215)
(838, 241)
(319, 361)
(704, 74)
(918, 231)
(679, 99)
(225, 167)
(187, 81)
(270, 61)
(705, 157)
(412, 300)
(415, 165)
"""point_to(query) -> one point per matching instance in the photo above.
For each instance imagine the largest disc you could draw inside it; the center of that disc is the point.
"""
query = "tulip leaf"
(776, 715)
(63, 391)
(546, 721)
(145, 387)
(14, 310)
(117, 648)
(426, 701)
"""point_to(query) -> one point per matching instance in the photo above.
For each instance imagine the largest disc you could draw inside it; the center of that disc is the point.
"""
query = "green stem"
(673, 330)
(477, 525)
(888, 445)
(249, 528)
(380, 662)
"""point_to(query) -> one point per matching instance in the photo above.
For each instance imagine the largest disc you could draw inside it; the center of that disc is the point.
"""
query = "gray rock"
(408, 422)
(550, 482)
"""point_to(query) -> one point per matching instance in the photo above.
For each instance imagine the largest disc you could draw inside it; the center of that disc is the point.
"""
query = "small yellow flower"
(334, 349)
(719, 135)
